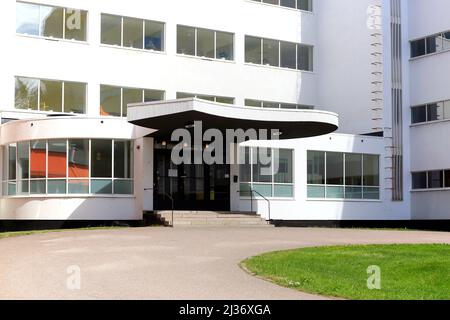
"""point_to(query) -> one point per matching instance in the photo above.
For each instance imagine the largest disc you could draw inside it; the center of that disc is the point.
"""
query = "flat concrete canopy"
(166, 116)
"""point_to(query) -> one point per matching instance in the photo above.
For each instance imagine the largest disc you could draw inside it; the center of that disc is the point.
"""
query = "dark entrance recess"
(192, 186)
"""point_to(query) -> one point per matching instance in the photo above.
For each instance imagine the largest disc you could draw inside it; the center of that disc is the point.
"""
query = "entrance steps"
(211, 218)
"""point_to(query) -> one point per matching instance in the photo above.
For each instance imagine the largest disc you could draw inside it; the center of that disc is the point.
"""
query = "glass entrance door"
(192, 186)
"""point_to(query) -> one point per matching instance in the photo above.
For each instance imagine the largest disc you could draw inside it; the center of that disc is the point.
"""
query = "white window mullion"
(195, 41)
(64, 23)
(112, 166)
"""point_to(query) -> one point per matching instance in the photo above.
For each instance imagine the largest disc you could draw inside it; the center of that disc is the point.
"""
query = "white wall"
(429, 82)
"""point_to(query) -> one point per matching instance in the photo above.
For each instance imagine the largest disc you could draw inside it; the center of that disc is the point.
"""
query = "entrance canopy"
(167, 116)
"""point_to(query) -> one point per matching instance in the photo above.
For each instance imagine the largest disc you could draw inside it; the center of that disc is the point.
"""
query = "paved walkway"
(164, 263)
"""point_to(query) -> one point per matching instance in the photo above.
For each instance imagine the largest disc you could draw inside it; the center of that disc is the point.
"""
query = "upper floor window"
(278, 53)
(336, 175)
(205, 43)
(114, 100)
(275, 105)
(431, 112)
(432, 44)
(132, 32)
(49, 21)
(50, 95)
(437, 179)
(225, 100)
(305, 5)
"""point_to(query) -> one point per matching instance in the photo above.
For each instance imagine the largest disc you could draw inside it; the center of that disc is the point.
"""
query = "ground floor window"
(266, 172)
(334, 175)
(68, 166)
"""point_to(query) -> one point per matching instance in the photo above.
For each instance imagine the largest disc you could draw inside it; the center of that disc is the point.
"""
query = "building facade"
(92, 91)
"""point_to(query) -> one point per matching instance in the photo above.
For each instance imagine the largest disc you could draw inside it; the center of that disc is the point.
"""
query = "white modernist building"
(91, 93)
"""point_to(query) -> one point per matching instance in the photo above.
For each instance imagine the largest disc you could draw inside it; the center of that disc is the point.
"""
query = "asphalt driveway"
(164, 263)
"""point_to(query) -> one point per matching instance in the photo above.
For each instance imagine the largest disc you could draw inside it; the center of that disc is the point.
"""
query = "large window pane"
(316, 192)
(75, 97)
(76, 25)
(12, 157)
(335, 192)
(131, 96)
(26, 96)
(432, 44)
(205, 43)
(186, 40)
(283, 191)
(38, 187)
(110, 101)
(353, 192)
(154, 36)
(371, 170)
(123, 159)
(435, 179)
(123, 187)
(435, 111)
(111, 30)
(78, 187)
(335, 169)
(288, 3)
(245, 169)
(283, 166)
(264, 190)
(51, 20)
(225, 46)
(27, 18)
(288, 55)
(417, 48)
(133, 33)
(353, 170)
(271, 52)
(419, 180)
(101, 159)
(262, 165)
(316, 167)
(253, 50)
(78, 158)
(57, 158)
(38, 159)
(446, 41)
(56, 186)
(51, 96)
(419, 114)
(305, 58)
(101, 186)
(23, 167)
(153, 95)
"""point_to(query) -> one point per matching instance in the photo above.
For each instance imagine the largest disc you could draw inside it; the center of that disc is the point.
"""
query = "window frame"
(64, 25)
(440, 35)
(445, 115)
(63, 82)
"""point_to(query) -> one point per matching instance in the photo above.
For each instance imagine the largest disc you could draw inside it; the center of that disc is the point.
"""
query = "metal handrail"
(251, 191)
(171, 199)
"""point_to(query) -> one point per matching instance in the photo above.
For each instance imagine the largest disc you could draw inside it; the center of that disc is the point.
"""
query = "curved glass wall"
(68, 166)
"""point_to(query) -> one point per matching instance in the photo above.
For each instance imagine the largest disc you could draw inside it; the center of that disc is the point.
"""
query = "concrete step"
(210, 218)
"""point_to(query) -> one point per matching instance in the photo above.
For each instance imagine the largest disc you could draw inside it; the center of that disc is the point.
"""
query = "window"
(275, 105)
(132, 32)
(431, 112)
(266, 172)
(336, 175)
(114, 100)
(304, 5)
(419, 180)
(51, 21)
(431, 44)
(50, 95)
(205, 43)
(75, 166)
(278, 53)
(436, 179)
(224, 100)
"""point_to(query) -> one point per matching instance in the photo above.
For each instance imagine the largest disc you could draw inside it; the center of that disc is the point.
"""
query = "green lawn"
(408, 272)
(4, 235)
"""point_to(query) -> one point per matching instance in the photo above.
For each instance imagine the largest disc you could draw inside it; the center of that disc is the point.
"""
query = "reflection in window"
(326, 175)
(271, 51)
(266, 172)
(51, 92)
(38, 161)
(78, 158)
(23, 167)
(132, 33)
(154, 36)
(111, 30)
(205, 43)
(26, 93)
(50, 96)
(57, 158)
(51, 21)
(130, 96)
(101, 159)
(123, 160)
(288, 55)
(431, 112)
(253, 51)
(431, 44)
